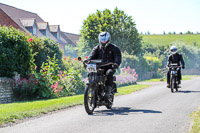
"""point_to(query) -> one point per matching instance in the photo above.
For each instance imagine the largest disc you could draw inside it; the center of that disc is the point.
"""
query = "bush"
(127, 76)
(77, 71)
(15, 53)
(43, 81)
(70, 51)
(142, 64)
(50, 82)
(44, 47)
(26, 89)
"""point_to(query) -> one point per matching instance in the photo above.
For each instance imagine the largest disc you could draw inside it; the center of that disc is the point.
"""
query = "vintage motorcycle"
(94, 94)
(174, 77)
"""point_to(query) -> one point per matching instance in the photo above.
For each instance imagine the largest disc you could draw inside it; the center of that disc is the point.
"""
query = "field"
(168, 39)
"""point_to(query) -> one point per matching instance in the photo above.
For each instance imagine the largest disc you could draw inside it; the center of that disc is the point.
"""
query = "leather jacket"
(175, 58)
(110, 53)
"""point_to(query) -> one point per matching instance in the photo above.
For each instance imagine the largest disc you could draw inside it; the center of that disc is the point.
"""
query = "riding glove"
(115, 66)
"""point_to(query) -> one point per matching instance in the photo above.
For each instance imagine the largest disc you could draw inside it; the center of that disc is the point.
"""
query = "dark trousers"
(109, 73)
(168, 76)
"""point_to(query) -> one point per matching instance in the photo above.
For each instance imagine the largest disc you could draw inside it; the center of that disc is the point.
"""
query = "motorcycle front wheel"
(176, 86)
(109, 106)
(172, 84)
(89, 99)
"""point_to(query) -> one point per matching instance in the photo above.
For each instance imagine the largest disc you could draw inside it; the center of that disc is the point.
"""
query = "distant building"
(32, 23)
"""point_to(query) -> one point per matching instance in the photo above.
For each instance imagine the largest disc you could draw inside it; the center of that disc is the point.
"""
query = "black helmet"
(104, 38)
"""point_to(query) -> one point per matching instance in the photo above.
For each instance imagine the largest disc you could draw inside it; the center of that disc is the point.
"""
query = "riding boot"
(108, 91)
(168, 85)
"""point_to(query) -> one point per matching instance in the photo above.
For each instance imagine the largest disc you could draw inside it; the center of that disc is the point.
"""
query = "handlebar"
(173, 66)
(99, 63)
(107, 64)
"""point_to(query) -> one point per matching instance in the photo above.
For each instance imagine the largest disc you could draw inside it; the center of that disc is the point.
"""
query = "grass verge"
(196, 122)
(9, 113)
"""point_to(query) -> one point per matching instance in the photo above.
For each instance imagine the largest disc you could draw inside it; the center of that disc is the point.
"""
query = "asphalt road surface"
(151, 110)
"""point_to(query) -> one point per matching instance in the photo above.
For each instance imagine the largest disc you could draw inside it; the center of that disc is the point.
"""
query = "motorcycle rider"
(108, 53)
(175, 57)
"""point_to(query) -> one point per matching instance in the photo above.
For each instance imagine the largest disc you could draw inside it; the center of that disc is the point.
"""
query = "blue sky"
(155, 16)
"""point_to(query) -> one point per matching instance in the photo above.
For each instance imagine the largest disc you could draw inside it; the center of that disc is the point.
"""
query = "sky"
(155, 16)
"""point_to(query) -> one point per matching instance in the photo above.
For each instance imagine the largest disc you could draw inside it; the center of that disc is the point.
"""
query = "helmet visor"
(103, 39)
(173, 50)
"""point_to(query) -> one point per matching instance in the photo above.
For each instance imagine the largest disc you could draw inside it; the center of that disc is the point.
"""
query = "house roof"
(42, 25)
(27, 22)
(15, 14)
(25, 18)
(54, 28)
(68, 41)
(74, 38)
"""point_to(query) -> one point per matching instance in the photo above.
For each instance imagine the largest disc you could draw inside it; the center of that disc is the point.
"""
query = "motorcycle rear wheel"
(89, 99)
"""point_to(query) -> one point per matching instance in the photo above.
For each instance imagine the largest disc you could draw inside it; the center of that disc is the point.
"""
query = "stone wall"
(190, 71)
(6, 90)
(146, 76)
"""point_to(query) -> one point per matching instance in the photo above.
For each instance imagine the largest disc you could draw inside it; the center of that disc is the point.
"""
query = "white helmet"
(104, 38)
(173, 49)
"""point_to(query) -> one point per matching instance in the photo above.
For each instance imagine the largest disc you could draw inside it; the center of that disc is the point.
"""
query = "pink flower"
(86, 57)
(35, 81)
(35, 67)
(56, 85)
(30, 40)
(60, 76)
(52, 86)
(75, 59)
(61, 72)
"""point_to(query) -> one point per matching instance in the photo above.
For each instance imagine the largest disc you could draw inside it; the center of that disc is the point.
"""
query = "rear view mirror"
(79, 58)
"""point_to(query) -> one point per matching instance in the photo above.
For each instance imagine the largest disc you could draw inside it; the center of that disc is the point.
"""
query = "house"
(32, 23)
(73, 38)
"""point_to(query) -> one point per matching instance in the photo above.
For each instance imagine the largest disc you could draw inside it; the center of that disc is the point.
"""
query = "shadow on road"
(186, 91)
(123, 111)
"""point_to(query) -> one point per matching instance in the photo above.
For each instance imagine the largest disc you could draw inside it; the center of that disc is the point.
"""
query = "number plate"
(91, 68)
(173, 72)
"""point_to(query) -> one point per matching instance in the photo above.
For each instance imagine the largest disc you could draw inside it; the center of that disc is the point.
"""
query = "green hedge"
(142, 64)
(19, 52)
(15, 53)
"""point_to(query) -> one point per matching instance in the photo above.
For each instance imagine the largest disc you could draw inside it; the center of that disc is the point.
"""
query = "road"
(151, 110)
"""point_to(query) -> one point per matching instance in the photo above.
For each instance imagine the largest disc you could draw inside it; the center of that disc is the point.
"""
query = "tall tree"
(121, 27)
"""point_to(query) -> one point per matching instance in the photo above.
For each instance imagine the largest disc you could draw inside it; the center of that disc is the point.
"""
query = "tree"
(70, 51)
(188, 32)
(164, 33)
(121, 27)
